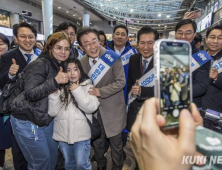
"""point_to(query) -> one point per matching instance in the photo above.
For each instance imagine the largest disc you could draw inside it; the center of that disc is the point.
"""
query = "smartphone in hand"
(173, 82)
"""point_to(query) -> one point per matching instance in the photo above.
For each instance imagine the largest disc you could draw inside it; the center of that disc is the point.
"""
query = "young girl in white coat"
(70, 125)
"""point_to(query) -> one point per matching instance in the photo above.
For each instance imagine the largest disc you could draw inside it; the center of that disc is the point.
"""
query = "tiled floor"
(129, 163)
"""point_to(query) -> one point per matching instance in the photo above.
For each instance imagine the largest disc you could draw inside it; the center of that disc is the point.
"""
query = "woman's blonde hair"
(55, 38)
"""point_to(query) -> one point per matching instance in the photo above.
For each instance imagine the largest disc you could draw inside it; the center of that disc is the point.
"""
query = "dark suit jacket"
(213, 97)
(200, 78)
(6, 62)
(134, 74)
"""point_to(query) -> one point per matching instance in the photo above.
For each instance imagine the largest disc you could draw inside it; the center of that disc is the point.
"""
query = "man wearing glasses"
(11, 64)
(106, 71)
(71, 31)
(186, 30)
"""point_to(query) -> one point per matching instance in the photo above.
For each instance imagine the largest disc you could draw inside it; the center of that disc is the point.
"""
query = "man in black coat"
(139, 65)
(13, 63)
(213, 97)
(186, 30)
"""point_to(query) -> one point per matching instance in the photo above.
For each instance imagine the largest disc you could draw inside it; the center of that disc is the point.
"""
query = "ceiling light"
(114, 17)
(90, 23)
(131, 10)
(101, 4)
(74, 15)
(116, 8)
(165, 25)
(80, 18)
(59, 7)
(168, 16)
(159, 15)
(67, 11)
(158, 25)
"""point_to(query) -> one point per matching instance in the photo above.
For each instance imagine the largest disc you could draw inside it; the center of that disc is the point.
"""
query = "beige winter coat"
(70, 125)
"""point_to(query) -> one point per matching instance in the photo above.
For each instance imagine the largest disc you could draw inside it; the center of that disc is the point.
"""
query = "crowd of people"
(63, 86)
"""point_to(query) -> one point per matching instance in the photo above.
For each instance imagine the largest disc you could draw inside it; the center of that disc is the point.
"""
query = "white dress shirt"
(119, 52)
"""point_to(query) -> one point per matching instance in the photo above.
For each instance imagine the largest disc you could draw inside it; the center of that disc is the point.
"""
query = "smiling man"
(13, 63)
(212, 99)
(106, 71)
(121, 46)
(186, 30)
(139, 65)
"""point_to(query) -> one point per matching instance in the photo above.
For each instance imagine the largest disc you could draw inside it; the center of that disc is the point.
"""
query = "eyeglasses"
(213, 38)
(89, 45)
(59, 49)
(186, 34)
(24, 37)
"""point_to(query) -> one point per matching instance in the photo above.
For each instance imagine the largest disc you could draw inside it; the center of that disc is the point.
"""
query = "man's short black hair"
(85, 30)
(198, 38)
(64, 26)
(24, 24)
(184, 22)
(147, 30)
(120, 26)
(217, 27)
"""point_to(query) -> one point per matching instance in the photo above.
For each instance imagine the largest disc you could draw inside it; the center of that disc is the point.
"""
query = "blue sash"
(105, 62)
(199, 59)
(218, 65)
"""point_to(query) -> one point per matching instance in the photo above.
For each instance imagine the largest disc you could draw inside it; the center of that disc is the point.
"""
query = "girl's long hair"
(67, 97)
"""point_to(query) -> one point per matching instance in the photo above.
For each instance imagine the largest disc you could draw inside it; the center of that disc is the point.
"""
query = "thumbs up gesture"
(213, 73)
(136, 89)
(61, 78)
(14, 68)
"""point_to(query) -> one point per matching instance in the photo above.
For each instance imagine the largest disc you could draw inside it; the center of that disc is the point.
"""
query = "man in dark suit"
(186, 30)
(139, 65)
(13, 63)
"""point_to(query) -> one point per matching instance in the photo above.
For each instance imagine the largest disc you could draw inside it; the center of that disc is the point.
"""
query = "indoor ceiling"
(72, 9)
(160, 14)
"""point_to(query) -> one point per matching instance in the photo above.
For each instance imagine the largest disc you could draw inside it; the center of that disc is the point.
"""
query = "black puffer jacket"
(38, 81)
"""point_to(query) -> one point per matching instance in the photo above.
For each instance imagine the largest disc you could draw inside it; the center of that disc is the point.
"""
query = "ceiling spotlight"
(59, 7)
(90, 23)
(67, 11)
(131, 10)
(114, 17)
(158, 25)
(168, 16)
(80, 18)
(116, 8)
(165, 26)
(74, 15)
(159, 15)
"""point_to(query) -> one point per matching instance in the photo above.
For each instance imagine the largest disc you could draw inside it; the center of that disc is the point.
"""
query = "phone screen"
(174, 80)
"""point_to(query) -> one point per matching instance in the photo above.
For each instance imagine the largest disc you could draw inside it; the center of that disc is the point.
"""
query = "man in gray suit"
(109, 90)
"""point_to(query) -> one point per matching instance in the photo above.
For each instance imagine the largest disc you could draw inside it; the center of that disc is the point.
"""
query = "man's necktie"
(29, 57)
(144, 65)
(94, 62)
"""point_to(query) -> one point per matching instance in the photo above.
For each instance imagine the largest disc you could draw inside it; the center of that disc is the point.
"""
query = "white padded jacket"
(70, 125)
